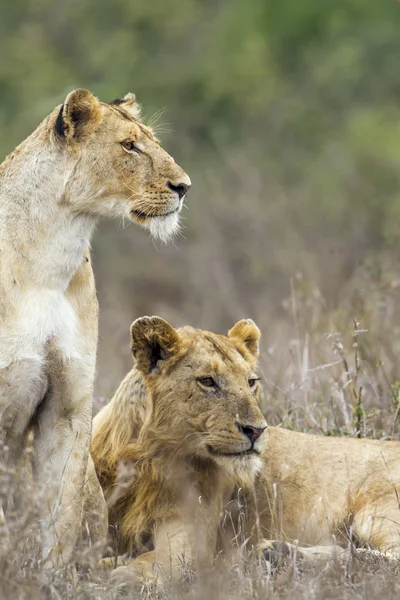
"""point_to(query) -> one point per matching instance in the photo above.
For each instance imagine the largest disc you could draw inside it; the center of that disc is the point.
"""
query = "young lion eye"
(252, 381)
(207, 381)
(130, 146)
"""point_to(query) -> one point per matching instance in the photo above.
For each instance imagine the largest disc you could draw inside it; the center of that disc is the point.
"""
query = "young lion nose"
(181, 189)
(253, 433)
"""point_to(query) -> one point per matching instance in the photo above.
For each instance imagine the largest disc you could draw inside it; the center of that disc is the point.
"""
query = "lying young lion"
(172, 453)
(86, 159)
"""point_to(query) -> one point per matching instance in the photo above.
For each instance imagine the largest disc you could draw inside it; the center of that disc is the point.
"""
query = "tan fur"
(319, 495)
(78, 165)
(328, 492)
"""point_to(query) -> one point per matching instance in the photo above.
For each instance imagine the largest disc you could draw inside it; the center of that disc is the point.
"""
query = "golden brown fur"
(156, 456)
(319, 495)
(87, 159)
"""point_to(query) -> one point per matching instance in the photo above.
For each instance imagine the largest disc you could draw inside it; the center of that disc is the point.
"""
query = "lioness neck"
(42, 239)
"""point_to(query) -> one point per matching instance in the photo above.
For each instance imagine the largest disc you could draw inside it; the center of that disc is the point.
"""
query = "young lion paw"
(135, 573)
(278, 553)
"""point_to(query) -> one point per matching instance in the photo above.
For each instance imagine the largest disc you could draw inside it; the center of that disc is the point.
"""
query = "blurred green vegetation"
(286, 116)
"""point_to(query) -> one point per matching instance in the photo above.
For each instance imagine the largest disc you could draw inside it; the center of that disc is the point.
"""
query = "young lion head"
(203, 392)
(114, 165)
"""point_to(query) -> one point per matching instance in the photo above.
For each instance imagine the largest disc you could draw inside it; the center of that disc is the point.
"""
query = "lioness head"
(117, 166)
(203, 390)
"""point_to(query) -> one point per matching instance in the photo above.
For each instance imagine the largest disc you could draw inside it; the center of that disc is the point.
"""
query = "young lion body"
(171, 455)
(86, 159)
(325, 492)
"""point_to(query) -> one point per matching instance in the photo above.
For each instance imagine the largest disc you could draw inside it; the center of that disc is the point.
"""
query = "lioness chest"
(37, 320)
(38, 317)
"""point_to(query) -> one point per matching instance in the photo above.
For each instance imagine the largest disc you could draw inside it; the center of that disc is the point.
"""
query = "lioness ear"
(246, 332)
(152, 339)
(128, 103)
(79, 115)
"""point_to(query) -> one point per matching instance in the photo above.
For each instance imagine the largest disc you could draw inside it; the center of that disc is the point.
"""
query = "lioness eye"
(252, 381)
(206, 381)
(130, 146)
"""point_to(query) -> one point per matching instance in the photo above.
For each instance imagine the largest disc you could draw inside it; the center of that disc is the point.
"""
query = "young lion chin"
(87, 159)
(184, 433)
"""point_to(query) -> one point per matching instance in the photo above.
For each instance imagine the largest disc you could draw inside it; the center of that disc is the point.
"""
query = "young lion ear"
(246, 332)
(152, 339)
(79, 116)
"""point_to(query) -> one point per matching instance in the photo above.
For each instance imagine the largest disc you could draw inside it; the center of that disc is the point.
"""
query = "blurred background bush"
(286, 116)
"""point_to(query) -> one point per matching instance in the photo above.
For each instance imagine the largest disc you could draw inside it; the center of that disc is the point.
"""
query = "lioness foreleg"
(22, 386)
(95, 515)
(63, 432)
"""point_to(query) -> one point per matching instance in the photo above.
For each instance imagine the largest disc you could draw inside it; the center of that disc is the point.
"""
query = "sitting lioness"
(172, 454)
(86, 159)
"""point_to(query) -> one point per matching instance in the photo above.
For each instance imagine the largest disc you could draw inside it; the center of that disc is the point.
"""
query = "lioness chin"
(87, 159)
(184, 437)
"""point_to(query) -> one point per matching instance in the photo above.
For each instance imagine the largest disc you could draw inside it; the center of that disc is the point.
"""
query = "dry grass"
(357, 578)
(323, 372)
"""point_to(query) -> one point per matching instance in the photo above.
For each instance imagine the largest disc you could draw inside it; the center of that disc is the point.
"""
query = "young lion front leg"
(174, 550)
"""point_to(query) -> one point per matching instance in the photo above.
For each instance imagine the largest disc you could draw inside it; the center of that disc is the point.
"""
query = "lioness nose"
(253, 433)
(181, 189)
